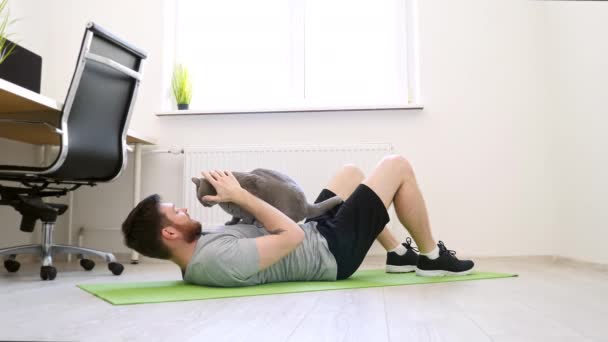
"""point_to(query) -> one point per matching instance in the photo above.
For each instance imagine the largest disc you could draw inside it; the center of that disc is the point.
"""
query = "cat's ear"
(196, 181)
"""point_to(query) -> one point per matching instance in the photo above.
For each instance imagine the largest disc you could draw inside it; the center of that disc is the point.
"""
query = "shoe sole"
(440, 273)
(400, 269)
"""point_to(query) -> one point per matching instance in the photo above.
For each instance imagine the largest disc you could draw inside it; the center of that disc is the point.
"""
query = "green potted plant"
(6, 46)
(182, 87)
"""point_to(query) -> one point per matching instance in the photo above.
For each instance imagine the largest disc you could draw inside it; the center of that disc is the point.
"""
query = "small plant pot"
(182, 106)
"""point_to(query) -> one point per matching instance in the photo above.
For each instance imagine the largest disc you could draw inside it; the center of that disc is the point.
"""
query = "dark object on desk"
(93, 149)
(23, 68)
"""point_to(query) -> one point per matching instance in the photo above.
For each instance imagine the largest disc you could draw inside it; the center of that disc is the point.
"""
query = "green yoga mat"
(173, 291)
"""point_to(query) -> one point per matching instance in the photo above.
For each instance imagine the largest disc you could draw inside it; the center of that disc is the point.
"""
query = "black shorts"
(351, 227)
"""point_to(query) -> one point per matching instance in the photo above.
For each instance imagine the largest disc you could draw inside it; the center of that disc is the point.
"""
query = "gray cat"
(273, 187)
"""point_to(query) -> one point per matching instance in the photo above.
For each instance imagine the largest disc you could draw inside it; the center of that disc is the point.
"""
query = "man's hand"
(227, 187)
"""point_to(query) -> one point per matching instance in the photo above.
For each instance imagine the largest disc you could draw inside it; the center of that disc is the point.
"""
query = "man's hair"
(142, 229)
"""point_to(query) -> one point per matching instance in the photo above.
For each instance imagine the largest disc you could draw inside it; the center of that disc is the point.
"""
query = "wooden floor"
(551, 300)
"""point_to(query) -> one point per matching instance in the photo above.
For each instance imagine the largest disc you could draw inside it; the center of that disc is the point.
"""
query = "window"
(307, 54)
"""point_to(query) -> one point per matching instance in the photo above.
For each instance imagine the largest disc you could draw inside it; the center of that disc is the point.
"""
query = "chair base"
(46, 250)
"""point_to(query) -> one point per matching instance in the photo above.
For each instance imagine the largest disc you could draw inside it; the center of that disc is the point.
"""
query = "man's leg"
(343, 183)
(393, 180)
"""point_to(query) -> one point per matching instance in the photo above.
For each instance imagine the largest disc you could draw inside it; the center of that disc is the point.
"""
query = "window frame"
(169, 59)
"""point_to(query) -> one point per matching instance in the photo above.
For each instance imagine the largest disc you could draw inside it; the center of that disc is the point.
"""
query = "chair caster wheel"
(116, 268)
(87, 264)
(48, 272)
(12, 265)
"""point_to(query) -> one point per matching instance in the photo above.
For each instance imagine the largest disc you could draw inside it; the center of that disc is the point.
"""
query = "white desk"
(19, 103)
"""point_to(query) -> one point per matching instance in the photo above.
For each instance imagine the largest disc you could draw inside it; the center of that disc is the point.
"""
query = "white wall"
(480, 147)
(577, 61)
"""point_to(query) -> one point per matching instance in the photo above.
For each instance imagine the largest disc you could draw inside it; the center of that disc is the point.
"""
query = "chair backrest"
(97, 109)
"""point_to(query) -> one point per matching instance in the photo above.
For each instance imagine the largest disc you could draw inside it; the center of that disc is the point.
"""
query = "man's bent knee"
(353, 172)
(399, 162)
(345, 181)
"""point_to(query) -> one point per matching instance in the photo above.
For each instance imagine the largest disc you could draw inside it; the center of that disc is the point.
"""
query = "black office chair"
(93, 147)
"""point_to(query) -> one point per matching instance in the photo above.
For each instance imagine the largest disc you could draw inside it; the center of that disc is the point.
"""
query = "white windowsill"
(287, 110)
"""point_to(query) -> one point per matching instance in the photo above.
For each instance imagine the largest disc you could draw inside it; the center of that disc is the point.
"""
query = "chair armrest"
(32, 122)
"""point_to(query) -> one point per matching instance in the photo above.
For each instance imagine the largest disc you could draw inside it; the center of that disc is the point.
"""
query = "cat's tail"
(321, 208)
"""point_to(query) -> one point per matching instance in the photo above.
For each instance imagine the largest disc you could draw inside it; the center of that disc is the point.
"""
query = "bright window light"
(273, 54)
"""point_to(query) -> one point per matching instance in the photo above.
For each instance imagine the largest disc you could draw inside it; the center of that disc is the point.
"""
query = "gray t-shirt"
(229, 257)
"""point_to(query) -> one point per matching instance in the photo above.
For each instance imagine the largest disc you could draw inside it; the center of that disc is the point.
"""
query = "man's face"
(180, 220)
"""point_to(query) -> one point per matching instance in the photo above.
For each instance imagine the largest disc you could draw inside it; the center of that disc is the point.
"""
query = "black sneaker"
(407, 262)
(446, 264)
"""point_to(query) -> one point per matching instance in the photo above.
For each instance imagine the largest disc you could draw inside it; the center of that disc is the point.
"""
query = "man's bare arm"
(285, 236)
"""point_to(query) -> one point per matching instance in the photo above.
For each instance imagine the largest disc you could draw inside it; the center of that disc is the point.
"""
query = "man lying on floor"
(328, 247)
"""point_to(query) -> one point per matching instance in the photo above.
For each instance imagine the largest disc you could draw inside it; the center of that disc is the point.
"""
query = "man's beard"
(191, 231)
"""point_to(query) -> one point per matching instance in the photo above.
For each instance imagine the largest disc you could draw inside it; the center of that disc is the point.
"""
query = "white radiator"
(311, 166)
